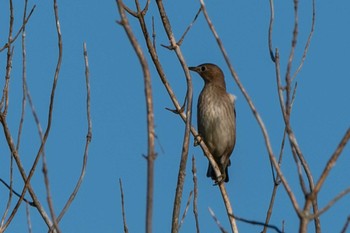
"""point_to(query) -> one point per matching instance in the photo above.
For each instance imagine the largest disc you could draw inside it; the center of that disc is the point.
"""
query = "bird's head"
(210, 73)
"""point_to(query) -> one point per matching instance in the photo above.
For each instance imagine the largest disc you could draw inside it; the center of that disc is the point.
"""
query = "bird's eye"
(203, 68)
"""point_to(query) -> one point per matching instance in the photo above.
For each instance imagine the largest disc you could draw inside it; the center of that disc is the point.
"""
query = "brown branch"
(276, 182)
(9, 138)
(154, 35)
(295, 147)
(307, 45)
(182, 114)
(55, 225)
(189, 27)
(16, 156)
(9, 42)
(331, 203)
(195, 193)
(331, 162)
(88, 137)
(150, 118)
(19, 134)
(186, 140)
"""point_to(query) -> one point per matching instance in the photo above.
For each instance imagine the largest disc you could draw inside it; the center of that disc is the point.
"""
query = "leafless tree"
(49, 216)
(308, 210)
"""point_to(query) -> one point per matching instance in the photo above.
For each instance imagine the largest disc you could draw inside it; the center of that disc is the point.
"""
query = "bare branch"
(195, 191)
(222, 229)
(306, 49)
(346, 225)
(331, 162)
(8, 44)
(150, 117)
(272, 18)
(88, 137)
(186, 210)
(331, 203)
(253, 222)
(123, 209)
(189, 27)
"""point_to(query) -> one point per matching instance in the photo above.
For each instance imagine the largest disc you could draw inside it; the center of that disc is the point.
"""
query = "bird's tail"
(212, 175)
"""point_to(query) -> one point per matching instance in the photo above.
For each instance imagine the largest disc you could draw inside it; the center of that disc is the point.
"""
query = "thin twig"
(189, 27)
(8, 44)
(55, 225)
(123, 209)
(29, 221)
(154, 35)
(346, 225)
(331, 203)
(306, 49)
(331, 162)
(222, 229)
(195, 193)
(272, 18)
(8, 136)
(186, 210)
(253, 222)
(16, 194)
(276, 180)
(276, 183)
(88, 137)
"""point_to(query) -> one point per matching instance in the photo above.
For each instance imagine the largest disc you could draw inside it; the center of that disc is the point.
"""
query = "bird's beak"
(195, 69)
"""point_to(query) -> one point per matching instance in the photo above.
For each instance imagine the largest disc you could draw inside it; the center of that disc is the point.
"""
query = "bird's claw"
(197, 140)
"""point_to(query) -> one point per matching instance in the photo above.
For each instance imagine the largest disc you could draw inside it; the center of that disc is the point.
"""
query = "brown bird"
(216, 118)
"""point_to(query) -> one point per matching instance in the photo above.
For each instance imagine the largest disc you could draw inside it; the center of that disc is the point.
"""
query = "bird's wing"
(232, 98)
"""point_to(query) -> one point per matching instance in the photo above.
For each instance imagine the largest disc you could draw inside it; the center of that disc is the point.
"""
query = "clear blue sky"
(321, 112)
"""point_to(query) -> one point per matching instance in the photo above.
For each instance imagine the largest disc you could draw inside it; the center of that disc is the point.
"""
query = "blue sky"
(320, 117)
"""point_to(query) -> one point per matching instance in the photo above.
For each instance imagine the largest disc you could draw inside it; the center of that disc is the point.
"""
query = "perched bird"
(216, 118)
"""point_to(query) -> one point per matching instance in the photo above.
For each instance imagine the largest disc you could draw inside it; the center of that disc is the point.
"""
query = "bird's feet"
(197, 140)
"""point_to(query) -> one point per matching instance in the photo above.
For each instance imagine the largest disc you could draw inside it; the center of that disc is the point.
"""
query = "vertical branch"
(272, 18)
(5, 96)
(286, 111)
(55, 225)
(9, 139)
(276, 183)
(29, 221)
(88, 137)
(189, 94)
(150, 115)
(44, 139)
(195, 193)
(307, 45)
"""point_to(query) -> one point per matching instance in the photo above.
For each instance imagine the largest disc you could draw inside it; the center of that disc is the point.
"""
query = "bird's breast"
(216, 120)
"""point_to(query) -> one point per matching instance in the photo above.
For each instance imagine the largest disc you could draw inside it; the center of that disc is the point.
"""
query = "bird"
(216, 118)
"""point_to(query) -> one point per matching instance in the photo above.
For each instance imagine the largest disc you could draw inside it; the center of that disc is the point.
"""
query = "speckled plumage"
(216, 118)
